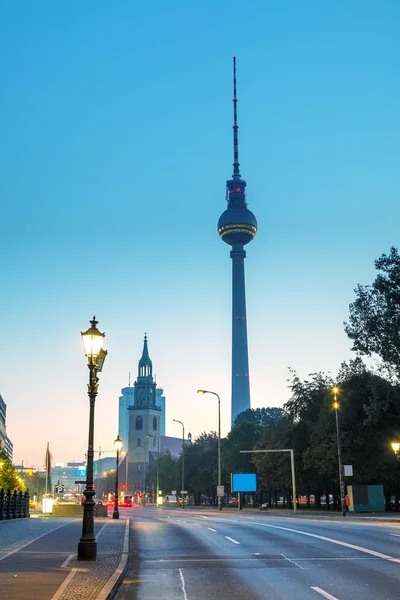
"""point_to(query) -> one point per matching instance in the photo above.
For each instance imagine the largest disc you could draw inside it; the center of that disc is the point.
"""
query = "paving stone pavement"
(88, 579)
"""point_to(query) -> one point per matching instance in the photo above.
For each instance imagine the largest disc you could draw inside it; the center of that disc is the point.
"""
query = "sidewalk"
(41, 564)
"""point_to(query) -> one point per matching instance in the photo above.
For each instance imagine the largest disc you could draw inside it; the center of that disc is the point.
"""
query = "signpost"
(220, 491)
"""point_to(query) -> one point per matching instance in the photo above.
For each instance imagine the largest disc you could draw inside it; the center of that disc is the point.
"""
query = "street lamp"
(183, 460)
(149, 435)
(92, 342)
(219, 440)
(336, 406)
(396, 448)
(117, 446)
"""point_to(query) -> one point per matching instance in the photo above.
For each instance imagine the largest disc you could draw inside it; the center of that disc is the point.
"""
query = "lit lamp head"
(189, 438)
(118, 444)
(395, 447)
(335, 391)
(202, 391)
(92, 343)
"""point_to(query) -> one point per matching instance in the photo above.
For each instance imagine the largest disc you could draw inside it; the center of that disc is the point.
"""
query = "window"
(154, 442)
(139, 423)
(154, 423)
(138, 442)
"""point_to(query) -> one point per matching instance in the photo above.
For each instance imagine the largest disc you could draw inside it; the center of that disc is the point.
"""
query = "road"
(195, 554)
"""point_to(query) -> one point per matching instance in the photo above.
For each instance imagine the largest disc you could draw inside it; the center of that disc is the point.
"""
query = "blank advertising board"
(243, 482)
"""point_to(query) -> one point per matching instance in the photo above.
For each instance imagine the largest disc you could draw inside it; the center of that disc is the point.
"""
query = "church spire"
(145, 364)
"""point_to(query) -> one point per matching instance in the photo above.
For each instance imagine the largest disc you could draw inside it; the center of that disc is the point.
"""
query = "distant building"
(125, 401)
(173, 445)
(160, 401)
(5, 443)
(68, 476)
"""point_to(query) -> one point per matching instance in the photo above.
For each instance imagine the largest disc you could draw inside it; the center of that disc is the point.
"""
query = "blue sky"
(116, 125)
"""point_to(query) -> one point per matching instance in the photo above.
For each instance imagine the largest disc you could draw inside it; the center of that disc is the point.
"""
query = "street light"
(149, 435)
(117, 446)
(396, 448)
(92, 342)
(183, 460)
(219, 440)
(336, 406)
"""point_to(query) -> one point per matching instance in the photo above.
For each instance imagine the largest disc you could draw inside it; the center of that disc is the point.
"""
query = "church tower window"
(139, 423)
(154, 423)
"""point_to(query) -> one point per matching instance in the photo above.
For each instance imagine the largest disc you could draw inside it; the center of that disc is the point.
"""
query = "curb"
(110, 589)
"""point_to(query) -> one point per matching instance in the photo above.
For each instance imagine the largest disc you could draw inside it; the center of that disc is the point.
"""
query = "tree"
(167, 467)
(9, 477)
(374, 320)
(260, 416)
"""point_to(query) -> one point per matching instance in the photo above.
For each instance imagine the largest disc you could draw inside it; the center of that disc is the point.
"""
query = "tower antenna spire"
(236, 171)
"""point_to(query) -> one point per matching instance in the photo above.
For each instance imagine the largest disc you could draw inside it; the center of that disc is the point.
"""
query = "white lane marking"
(257, 553)
(211, 529)
(64, 584)
(106, 590)
(31, 542)
(67, 560)
(183, 584)
(323, 593)
(231, 540)
(333, 541)
(395, 534)
(203, 517)
(292, 561)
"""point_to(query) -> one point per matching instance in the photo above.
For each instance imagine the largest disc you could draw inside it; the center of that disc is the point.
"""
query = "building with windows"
(5, 443)
(160, 401)
(125, 401)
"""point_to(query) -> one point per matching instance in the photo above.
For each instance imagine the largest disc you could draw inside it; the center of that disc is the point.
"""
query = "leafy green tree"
(260, 416)
(167, 466)
(9, 477)
(201, 466)
(374, 321)
(243, 436)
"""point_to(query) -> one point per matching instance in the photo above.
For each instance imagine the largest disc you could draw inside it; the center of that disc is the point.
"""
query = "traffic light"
(152, 495)
(123, 486)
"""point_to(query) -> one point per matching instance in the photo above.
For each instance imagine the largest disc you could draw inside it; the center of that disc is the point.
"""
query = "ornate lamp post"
(117, 445)
(183, 460)
(219, 439)
(149, 435)
(92, 342)
(336, 406)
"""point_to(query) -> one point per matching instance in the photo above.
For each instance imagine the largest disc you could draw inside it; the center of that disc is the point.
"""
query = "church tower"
(144, 420)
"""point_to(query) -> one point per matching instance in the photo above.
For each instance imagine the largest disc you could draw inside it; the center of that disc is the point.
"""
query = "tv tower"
(237, 226)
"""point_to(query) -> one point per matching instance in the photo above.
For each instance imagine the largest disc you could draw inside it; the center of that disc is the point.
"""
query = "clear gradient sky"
(116, 123)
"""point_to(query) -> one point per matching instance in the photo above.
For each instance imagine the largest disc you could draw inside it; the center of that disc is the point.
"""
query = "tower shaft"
(240, 359)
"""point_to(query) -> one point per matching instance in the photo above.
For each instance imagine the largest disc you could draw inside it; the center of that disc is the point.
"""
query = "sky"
(116, 123)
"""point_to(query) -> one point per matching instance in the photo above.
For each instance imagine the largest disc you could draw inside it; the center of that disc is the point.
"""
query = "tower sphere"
(237, 225)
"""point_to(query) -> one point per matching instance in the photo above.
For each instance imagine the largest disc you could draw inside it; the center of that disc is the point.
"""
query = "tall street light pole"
(92, 342)
(219, 439)
(126, 470)
(149, 435)
(183, 460)
(336, 406)
(117, 446)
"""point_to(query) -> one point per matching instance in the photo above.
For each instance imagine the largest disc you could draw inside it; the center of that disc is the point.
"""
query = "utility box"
(366, 498)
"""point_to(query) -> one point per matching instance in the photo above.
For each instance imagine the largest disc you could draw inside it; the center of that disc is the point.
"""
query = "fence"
(14, 505)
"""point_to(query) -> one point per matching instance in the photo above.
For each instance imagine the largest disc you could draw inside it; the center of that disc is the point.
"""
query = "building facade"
(160, 402)
(125, 401)
(5, 443)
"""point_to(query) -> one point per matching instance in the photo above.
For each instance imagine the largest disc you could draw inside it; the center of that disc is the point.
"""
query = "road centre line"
(323, 593)
(231, 540)
(183, 584)
(211, 529)
(395, 534)
(292, 561)
(333, 541)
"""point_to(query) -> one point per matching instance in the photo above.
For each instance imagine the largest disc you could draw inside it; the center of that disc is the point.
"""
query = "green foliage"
(168, 473)
(260, 416)
(9, 477)
(374, 321)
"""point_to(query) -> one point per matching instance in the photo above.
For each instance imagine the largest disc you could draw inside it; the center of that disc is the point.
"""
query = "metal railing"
(14, 505)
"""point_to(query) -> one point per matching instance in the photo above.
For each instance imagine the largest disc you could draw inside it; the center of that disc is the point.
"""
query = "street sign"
(59, 489)
(80, 482)
(348, 470)
(183, 491)
(173, 493)
(220, 491)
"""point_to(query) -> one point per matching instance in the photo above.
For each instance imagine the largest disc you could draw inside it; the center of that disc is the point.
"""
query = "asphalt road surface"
(196, 555)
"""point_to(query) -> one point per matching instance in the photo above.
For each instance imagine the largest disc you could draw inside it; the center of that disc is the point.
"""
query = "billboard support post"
(291, 464)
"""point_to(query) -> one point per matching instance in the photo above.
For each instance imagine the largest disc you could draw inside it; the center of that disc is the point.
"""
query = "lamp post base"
(87, 550)
(115, 514)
